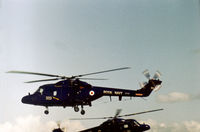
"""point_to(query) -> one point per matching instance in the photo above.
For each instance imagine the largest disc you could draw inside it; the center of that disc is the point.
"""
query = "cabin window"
(41, 91)
(54, 93)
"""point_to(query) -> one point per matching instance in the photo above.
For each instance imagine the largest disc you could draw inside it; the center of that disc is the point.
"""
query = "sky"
(71, 37)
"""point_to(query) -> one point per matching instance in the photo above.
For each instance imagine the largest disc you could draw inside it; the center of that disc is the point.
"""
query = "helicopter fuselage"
(66, 93)
(119, 125)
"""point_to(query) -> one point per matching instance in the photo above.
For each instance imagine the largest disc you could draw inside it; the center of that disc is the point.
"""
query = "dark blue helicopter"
(71, 91)
(118, 124)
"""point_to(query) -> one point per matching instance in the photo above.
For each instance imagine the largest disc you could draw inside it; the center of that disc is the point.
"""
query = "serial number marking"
(127, 93)
(48, 98)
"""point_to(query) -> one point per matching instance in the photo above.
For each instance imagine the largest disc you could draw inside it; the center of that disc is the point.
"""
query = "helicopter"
(72, 92)
(118, 124)
(59, 129)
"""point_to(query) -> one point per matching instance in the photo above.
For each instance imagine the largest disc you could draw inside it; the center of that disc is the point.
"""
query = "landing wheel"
(82, 112)
(46, 112)
(76, 109)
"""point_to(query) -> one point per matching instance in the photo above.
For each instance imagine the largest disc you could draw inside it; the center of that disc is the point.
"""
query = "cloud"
(176, 97)
(34, 124)
(192, 126)
(184, 126)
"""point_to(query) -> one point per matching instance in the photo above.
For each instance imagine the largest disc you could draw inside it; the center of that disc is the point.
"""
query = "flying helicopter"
(72, 92)
(118, 124)
(59, 129)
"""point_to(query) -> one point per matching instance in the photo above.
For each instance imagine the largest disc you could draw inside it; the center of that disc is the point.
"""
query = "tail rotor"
(157, 88)
(153, 82)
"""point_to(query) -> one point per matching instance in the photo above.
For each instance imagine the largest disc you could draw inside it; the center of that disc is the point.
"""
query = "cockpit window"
(41, 90)
(85, 85)
(136, 123)
(54, 93)
(60, 83)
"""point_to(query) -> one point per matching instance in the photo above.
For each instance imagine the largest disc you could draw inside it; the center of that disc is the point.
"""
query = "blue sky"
(75, 37)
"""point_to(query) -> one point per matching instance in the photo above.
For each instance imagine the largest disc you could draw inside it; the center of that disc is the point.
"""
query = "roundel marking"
(91, 93)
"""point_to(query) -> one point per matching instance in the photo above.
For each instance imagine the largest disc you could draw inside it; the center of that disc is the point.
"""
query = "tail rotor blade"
(157, 88)
(146, 74)
(157, 75)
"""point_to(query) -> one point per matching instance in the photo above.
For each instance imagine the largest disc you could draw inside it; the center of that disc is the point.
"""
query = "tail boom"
(143, 92)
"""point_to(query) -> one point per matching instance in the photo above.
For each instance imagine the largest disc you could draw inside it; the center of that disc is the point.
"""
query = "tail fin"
(148, 88)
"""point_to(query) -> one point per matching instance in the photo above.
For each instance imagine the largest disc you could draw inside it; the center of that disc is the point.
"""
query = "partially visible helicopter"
(117, 124)
(59, 129)
(71, 91)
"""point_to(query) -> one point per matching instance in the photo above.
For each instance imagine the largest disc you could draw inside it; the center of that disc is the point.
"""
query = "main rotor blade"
(54, 79)
(34, 73)
(117, 69)
(140, 113)
(93, 78)
(116, 116)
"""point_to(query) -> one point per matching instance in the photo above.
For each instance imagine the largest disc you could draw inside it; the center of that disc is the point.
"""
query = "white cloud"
(185, 126)
(34, 124)
(192, 126)
(176, 97)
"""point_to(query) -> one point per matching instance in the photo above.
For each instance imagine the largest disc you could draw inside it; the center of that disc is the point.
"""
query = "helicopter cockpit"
(73, 83)
(65, 82)
(81, 84)
(134, 123)
(46, 90)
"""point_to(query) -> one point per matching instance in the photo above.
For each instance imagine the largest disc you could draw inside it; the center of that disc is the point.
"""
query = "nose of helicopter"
(27, 99)
(145, 127)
